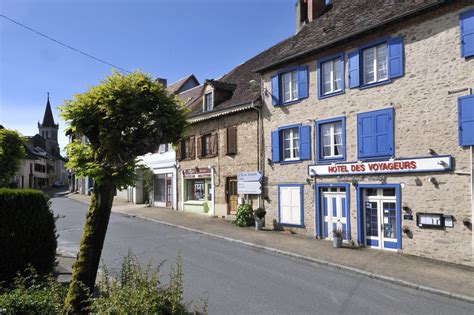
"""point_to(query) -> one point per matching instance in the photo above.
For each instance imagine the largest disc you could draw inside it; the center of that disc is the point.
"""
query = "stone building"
(368, 125)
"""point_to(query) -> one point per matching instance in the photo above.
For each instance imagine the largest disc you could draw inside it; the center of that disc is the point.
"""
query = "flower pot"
(337, 242)
(258, 224)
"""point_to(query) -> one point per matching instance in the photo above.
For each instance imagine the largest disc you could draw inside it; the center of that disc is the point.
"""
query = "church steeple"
(49, 130)
(48, 120)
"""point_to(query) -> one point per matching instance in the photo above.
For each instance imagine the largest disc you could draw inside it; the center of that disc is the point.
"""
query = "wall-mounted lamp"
(433, 180)
(432, 152)
(269, 161)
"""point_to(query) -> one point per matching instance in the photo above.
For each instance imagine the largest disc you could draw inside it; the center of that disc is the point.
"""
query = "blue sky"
(166, 38)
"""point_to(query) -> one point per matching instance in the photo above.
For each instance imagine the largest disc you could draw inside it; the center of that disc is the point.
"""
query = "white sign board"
(427, 164)
(249, 176)
(252, 188)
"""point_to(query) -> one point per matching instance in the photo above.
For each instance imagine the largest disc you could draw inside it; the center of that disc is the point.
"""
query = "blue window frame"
(290, 85)
(291, 144)
(320, 208)
(375, 134)
(376, 63)
(466, 23)
(331, 76)
(331, 140)
(466, 120)
(290, 209)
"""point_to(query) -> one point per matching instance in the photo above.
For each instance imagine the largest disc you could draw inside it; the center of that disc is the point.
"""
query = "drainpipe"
(182, 190)
(213, 199)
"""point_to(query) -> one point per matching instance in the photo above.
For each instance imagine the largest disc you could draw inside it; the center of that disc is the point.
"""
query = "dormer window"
(208, 102)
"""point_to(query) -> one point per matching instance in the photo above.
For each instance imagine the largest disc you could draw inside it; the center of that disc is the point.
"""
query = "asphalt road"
(238, 279)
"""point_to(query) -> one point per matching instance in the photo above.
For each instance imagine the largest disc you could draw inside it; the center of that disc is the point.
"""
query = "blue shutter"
(466, 120)
(302, 82)
(354, 75)
(395, 57)
(375, 133)
(275, 146)
(275, 90)
(365, 135)
(319, 80)
(305, 143)
(466, 21)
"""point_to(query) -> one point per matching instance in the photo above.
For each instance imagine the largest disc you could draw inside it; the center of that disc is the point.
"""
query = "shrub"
(260, 213)
(27, 233)
(138, 290)
(245, 216)
(33, 294)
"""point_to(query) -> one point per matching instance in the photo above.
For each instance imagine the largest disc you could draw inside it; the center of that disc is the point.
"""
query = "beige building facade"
(362, 135)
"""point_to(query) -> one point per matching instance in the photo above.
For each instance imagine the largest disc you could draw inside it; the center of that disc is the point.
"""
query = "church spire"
(48, 120)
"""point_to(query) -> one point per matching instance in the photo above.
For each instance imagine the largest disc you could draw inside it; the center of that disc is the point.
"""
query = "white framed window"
(375, 63)
(331, 76)
(331, 144)
(291, 144)
(208, 102)
(290, 86)
(163, 148)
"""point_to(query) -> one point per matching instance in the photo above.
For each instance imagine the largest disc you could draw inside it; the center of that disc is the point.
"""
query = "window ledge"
(330, 161)
(195, 202)
(290, 162)
(290, 102)
(369, 85)
(294, 225)
(321, 97)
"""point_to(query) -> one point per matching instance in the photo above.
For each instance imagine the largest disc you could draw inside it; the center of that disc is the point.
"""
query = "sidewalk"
(450, 280)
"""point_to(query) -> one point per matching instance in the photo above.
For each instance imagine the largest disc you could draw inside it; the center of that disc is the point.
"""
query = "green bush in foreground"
(245, 216)
(27, 233)
(33, 294)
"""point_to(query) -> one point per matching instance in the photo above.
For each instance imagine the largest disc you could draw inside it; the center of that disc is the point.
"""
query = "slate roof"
(176, 86)
(345, 20)
(221, 85)
(48, 120)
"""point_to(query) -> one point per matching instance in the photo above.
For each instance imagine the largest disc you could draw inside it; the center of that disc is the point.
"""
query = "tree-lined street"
(242, 280)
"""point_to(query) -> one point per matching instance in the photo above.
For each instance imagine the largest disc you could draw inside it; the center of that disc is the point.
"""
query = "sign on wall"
(197, 172)
(428, 164)
(249, 183)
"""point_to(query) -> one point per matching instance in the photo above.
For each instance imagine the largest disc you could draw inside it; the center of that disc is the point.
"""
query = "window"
(196, 189)
(186, 149)
(290, 85)
(375, 134)
(160, 188)
(207, 145)
(163, 148)
(376, 62)
(466, 120)
(330, 76)
(232, 140)
(291, 143)
(330, 138)
(208, 102)
(466, 20)
(290, 204)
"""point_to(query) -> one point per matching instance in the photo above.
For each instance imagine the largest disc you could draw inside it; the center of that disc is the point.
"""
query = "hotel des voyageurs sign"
(426, 164)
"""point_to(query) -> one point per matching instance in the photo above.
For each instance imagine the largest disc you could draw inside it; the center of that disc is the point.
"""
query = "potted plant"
(259, 217)
(337, 238)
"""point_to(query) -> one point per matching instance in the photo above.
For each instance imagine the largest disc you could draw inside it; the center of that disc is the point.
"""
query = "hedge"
(27, 233)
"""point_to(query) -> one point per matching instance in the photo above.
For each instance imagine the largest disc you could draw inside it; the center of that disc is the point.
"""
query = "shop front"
(197, 188)
(163, 190)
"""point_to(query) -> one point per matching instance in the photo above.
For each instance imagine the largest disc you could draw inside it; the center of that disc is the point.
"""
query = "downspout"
(213, 198)
(182, 190)
(259, 140)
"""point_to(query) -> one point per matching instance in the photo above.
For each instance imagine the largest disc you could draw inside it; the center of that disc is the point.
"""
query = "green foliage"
(33, 294)
(260, 213)
(245, 216)
(124, 117)
(139, 290)
(11, 153)
(147, 184)
(27, 233)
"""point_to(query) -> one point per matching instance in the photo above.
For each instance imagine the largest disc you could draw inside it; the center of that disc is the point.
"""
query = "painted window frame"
(375, 63)
(320, 63)
(318, 219)
(293, 81)
(208, 101)
(301, 187)
(280, 137)
(278, 77)
(292, 148)
(361, 238)
(318, 124)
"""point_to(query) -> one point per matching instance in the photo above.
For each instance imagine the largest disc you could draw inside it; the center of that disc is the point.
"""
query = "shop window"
(231, 140)
(290, 204)
(466, 20)
(196, 190)
(375, 134)
(160, 188)
(209, 191)
(376, 62)
(291, 143)
(331, 139)
(331, 76)
(290, 85)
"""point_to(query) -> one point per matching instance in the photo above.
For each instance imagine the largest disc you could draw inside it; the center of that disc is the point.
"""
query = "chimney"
(301, 12)
(309, 10)
(163, 81)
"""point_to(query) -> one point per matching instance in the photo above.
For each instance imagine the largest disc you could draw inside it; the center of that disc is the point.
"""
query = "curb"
(368, 274)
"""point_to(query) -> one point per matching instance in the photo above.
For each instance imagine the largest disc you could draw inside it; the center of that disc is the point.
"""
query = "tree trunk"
(92, 241)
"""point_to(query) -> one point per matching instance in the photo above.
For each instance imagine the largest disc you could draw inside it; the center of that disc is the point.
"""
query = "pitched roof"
(176, 86)
(221, 85)
(346, 20)
(48, 120)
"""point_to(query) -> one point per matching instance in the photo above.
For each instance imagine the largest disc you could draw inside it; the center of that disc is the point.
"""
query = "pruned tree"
(123, 117)
(12, 151)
